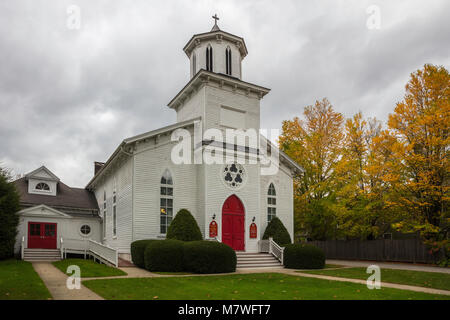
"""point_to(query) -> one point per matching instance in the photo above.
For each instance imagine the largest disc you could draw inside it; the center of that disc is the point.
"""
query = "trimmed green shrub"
(9, 220)
(303, 256)
(138, 250)
(278, 232)
(184, 227)
(209, 257)
(164, 256)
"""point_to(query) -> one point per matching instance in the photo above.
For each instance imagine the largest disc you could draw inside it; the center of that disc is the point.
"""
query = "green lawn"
(89, 268)
(413, 278)
(19, 281)
(261, 286)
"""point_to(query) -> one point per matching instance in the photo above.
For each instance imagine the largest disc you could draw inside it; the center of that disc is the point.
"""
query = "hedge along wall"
(138, 250)
(164, 256)
(209, 257)
(303, 256)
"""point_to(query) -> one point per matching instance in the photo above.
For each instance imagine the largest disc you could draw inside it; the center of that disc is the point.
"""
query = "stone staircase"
(256, 260)
(42, 255)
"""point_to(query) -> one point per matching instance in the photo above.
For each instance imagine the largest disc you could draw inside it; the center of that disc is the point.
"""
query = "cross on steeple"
(215, 27)
(215, 17)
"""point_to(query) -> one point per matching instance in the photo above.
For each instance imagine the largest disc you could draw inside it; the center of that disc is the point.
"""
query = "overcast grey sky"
(68, 97)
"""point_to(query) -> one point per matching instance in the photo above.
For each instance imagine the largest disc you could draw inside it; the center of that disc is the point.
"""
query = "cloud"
(69, 97)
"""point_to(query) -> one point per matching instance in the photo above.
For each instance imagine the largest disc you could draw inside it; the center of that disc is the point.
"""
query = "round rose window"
(233, 175)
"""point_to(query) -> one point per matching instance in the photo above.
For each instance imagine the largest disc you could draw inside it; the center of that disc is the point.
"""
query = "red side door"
(233, 223)
(42, 235)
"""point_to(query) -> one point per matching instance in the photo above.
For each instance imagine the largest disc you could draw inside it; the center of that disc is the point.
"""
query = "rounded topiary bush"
(209, 257)
(184, 227)
(278, 232)
(303, 256)
(138, 250)
(164, 255)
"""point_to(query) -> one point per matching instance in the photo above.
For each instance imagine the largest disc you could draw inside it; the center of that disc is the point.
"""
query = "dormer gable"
(42, 181)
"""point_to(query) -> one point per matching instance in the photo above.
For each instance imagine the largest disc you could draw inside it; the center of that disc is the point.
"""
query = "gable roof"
(139, 137)
(49, 211)
(35, 174)
(284, 157)
(66, 197)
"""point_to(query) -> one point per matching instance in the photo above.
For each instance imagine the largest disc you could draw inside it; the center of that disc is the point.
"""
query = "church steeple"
(216, 51)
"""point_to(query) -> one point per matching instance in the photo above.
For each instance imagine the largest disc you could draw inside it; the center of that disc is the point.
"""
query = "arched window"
(271, 203)
(209, 58)
(42, 186)
(228, 60)
(166, 201)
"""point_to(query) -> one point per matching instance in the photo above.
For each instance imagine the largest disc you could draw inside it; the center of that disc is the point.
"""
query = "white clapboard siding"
(122, 176)
(149, 166)
(217, 193)
(285, 201)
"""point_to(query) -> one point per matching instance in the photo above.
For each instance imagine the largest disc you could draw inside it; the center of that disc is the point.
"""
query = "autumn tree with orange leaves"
(315, 144)
(419, 177)
(361, 181)
(361, 193)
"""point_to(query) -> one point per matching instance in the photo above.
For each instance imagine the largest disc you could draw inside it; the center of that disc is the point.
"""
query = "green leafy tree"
(9, 220)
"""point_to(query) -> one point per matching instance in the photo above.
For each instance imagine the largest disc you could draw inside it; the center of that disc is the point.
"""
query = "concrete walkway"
(55, 281)
(383, 284)
(390, 265)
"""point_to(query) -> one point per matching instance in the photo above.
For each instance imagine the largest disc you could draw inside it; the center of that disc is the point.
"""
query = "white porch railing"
(61, 247)
(276, 250)
(109, 254)
(22, 248)
(90, 247)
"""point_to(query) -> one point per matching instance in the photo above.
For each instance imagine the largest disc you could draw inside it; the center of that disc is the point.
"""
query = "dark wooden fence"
(405, 250)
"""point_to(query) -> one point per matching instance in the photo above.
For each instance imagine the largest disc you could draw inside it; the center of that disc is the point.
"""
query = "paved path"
(391, 265)
(383, 284)
(55, 281)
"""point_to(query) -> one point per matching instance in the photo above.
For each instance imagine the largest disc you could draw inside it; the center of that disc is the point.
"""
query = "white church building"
(137, 192)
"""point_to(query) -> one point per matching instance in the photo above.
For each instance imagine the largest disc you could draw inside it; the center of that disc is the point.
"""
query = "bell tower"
(216, 51)
(216, 92)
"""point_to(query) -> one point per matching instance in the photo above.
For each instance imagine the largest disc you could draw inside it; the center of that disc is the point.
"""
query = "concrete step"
(259, 265)
(41, 254)
(256, 260)
(41, 258)
(41, 251)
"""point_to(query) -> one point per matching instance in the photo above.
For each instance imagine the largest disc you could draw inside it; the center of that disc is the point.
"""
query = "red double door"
(233, 223)
(42, 235)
